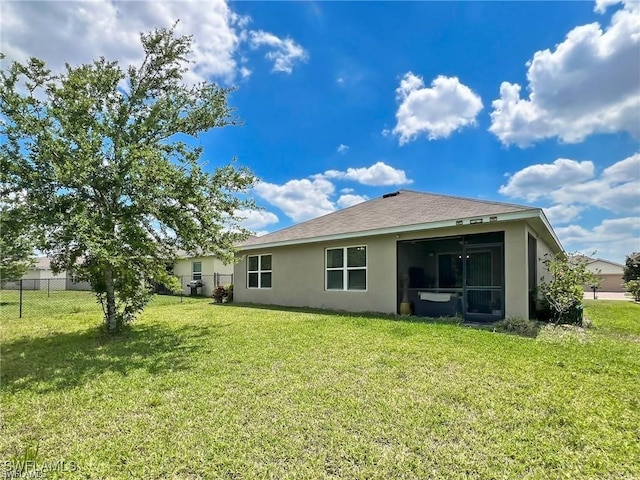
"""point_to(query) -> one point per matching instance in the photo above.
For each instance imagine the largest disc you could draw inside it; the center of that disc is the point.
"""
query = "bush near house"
(564, 291)
(633, 287)
(631, 275)
(632, 267)
(223, 294)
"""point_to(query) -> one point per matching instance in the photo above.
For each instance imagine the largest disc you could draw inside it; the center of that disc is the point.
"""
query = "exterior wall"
(298, 278)
(210, 266)
(609, 274)
(31, 275)
(298, 273)
(544, 251)
(79, 286)
(516, 278)
(44, 279)
(609, 283)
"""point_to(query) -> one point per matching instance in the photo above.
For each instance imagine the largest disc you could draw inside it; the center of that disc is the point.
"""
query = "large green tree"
(106, 162)
(16, 244)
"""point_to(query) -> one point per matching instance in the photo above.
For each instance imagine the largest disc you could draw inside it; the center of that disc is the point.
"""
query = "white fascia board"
(501, 217)
(548, 226)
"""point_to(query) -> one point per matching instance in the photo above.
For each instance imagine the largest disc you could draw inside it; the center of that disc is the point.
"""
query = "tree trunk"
(112, 323)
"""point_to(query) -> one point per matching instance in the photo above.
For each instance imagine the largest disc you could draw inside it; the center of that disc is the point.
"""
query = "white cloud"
(342, 148)
(299, 199)
(623, 171)
(573, 183)
(573, 187)
(559, 214)
(284, 53)
(602, 5)
(437, 111)
(540, 180)
(378, 174)
(612, 239)
(587, 84)
(256, 219)
(307, 198)
(78, 32)
(350, 200)
(617, 189)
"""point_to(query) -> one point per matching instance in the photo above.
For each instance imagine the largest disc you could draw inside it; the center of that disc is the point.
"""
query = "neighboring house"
(41, 277)
(609, 274)
(210, 270)
(476, 258)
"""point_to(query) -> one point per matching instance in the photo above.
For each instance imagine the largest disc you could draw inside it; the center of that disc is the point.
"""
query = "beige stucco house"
(210, 270)
(609, 274)
(446, 255)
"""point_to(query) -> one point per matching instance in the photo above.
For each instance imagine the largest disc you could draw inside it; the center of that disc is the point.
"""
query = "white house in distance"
(210, 270)
(41, 277)
(444, 255)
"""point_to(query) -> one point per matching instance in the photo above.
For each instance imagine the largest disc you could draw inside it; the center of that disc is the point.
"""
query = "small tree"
(633, 287)
(565, 290)
(631, 275)
(632, 267)
(111, 183)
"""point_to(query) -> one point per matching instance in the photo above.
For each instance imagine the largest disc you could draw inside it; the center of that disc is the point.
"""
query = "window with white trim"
(346, 268)
(259, 271)
(196, 270)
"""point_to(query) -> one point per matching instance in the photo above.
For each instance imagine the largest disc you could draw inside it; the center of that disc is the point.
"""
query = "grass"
(196, 390)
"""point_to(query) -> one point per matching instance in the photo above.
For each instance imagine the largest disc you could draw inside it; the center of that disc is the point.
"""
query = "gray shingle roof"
(42, 263)
(404, 208)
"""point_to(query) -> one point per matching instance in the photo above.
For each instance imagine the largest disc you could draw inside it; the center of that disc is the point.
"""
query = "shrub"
(222, 294)
(517, 325)
(542, 307)
(632, 267)
(633, 287)
(219, 294)
(565, 290)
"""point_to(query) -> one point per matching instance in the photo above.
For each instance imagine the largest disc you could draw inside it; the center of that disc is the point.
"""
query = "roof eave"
(534, 213)
(549, 228)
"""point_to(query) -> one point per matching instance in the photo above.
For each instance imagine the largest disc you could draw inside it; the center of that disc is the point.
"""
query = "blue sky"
(526, 102)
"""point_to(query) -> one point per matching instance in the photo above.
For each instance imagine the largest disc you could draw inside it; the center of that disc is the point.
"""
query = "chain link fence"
(198, 285)
(46, 296)
(55, 296)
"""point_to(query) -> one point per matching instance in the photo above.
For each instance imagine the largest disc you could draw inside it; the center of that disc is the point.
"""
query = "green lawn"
(196, 390)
